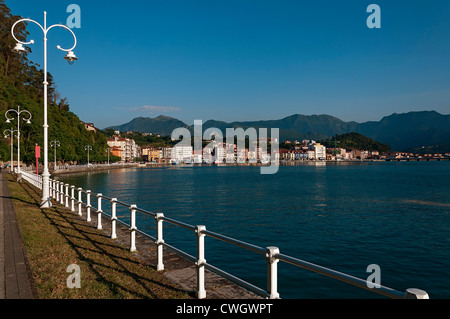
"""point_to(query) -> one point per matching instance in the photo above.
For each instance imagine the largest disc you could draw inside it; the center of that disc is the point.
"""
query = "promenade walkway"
(15, 277)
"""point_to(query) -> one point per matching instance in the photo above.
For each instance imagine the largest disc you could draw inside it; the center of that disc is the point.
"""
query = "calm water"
(344, 217)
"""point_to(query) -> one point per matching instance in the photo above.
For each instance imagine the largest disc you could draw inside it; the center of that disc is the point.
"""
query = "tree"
(356, 141)
(21, 84)
(63, 105)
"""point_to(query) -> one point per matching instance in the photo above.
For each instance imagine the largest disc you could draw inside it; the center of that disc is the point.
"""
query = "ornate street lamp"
(19, 49)
(88, 148)
(70, 57)
(108, 150)
(7, 133)
(9, 119)
(54, 144)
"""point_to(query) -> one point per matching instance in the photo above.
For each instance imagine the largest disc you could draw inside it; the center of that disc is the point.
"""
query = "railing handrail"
(388, 292)
(235, 242)
(179, 223)
(272, 254)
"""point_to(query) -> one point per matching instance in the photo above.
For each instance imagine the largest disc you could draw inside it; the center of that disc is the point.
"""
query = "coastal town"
(290, 151)
(246, 152)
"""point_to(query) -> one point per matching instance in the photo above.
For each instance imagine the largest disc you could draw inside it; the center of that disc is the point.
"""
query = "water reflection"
(342, 216)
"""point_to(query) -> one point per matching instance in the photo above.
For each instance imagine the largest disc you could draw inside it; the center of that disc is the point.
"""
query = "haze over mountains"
(401, 131)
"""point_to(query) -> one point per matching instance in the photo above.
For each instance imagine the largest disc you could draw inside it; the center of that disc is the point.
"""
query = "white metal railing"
(68, 167)
(33, 179)
(60, 193)
(73, 167)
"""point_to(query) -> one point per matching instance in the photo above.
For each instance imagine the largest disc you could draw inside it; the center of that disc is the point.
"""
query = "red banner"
(37, 150)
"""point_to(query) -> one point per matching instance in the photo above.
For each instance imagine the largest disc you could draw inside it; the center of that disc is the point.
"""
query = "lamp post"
(88, 148)
(55, 143)
(335, 148)
(70, 57)
(108, 150)
(6, 133)
(9, 119)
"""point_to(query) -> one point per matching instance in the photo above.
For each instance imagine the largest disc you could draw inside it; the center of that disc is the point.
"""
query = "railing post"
(67, 195)
(72, 198)
(272, 272)
(53, 189)
(99, 211)
(88, 206)
(414, 293)
(61, 195)
(133, 228)
(79, 201)
(57, 191)
(50, 185)
(113, 218)
(159, 240)
(201, 261)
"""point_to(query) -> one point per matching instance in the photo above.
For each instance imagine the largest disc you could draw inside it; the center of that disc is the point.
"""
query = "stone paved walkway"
(15, 276)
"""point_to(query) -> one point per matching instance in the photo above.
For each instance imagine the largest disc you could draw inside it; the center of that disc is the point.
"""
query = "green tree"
(21, 84)
(355, 141)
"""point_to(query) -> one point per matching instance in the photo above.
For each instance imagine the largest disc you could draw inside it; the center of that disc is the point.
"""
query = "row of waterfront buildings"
(129, 151)
(231, 153)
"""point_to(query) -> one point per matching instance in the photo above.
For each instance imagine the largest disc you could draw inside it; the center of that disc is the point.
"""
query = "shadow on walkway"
(103, 263)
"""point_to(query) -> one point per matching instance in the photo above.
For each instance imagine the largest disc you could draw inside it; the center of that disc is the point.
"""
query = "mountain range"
(401, 132)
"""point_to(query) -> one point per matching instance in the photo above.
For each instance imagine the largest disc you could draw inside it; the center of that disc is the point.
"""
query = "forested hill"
(21, 84)
(355, 141)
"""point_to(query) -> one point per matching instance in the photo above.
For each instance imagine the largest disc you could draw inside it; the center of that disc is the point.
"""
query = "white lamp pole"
(9, 119)
(11, 132)
(70, 57)
(55, 143)
(88, 148)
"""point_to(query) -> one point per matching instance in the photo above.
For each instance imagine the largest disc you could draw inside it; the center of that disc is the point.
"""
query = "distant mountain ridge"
(400, 131)
(163, 125)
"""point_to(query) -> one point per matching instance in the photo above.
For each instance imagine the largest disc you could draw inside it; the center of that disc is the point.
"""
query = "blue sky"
(247, 60)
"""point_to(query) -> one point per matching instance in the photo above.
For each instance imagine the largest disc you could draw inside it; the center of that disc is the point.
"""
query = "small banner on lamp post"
(37, 151)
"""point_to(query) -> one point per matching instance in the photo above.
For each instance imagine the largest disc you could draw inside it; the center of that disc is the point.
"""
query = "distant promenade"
(69, 169)
(99, 167)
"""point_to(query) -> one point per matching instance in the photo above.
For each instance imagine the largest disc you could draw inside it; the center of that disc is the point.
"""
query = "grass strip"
(56, 238)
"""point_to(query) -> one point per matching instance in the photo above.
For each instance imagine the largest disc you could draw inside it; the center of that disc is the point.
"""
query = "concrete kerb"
(177, 269)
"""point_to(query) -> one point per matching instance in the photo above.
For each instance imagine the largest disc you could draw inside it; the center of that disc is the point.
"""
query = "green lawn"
(55, 238)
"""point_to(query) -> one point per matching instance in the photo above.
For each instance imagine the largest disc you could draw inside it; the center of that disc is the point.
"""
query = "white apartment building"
(207, 155)
(215, 153)
(129, 149)
(182, 154)
(320, 151)
(166, 154)
(230, 153)
(241, 155)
